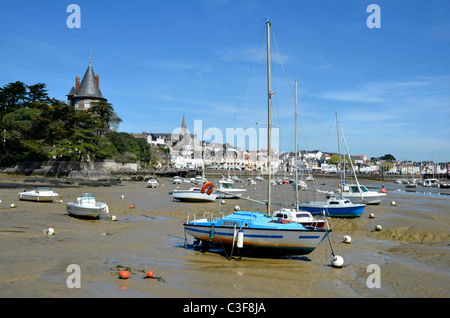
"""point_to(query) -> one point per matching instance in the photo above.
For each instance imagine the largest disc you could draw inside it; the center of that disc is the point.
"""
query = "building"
(83, 94)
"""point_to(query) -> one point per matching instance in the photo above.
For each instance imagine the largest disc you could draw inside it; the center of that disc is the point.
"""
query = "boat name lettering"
(230, 223)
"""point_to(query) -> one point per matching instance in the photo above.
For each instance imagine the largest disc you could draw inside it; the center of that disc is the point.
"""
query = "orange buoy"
(131, 206)
(150, 274)
(383, 190)
(209, 186)
(124, 274)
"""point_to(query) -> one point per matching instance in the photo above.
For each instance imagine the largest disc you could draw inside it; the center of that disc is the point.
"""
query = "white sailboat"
(256, 232)
(356, 193)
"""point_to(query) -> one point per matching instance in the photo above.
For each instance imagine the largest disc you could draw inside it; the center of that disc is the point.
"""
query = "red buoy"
(150, 274)
(124, 274)
(132, 206)
(383, 190)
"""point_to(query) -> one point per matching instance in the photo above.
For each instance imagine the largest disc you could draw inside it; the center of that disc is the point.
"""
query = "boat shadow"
(238, 254)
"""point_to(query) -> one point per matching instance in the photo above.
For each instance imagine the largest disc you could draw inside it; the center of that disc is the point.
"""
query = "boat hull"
(191, 196)
(37, 198)
(317, 208)
(86, 211)
(373, 199)
(263, 237)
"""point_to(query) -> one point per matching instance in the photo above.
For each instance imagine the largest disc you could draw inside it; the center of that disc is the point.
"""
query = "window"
(87, 103)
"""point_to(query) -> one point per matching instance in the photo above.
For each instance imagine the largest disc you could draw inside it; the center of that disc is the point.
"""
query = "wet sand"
(412, 250)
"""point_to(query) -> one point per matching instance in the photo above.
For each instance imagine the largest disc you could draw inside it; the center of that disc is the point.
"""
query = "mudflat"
(412, 250)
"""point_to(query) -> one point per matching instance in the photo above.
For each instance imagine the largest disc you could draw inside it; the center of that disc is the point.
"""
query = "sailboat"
(357, 193)
(256, 232)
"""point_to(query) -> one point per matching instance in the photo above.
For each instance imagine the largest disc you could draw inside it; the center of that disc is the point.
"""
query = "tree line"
(35, 127)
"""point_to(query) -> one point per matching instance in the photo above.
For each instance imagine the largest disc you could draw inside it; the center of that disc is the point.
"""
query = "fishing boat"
(87, 207)
(229, 191)
(333, 207)
(193, 195)
(256, 232)
(40, 194)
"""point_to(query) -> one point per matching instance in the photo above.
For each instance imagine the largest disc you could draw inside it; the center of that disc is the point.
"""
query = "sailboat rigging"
(256, 232)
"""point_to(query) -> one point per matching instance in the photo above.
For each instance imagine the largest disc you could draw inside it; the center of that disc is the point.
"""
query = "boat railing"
(318, 219)
(191, 216)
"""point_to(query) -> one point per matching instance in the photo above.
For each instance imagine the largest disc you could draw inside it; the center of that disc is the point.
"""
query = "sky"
(206, 60)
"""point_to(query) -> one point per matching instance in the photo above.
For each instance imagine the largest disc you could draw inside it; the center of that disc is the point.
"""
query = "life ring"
(207, 185)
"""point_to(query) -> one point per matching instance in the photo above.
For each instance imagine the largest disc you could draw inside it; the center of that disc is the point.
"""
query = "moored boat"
(333, 207)
(87, 207)
(229, 191)
(193, 195)
(40, 194)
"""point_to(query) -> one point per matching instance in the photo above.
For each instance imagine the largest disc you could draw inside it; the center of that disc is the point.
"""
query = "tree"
(388, 157)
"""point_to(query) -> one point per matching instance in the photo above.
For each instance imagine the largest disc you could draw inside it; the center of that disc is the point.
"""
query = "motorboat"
(333, 207)
(40, 194)
(229, 191)
(87, 206)
(193, 195)
(152, 183)
(357, 193)
(430, 182)
(305, 218)
(177, 180)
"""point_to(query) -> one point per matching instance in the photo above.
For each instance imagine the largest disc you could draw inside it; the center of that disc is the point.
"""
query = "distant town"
(187, 151)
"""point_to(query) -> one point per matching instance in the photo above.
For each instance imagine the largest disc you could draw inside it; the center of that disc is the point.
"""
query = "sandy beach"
(411, 250)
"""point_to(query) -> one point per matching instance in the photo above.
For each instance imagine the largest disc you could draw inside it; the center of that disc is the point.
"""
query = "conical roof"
(88, 86)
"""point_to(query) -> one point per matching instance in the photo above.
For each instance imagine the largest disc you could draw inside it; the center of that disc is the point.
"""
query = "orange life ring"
(207, 185)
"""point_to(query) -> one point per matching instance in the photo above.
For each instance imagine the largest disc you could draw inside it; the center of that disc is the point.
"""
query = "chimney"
(77, 83)
(97, 78)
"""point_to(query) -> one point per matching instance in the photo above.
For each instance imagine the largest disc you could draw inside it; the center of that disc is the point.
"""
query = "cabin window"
(302, 215)
(334, 202)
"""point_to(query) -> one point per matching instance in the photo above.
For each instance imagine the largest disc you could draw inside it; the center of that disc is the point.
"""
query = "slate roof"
(88, 87)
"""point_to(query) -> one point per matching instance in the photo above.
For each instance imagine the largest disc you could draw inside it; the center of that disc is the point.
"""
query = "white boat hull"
(372, 198)
(193, 196)
(37, 197)
(93, 211)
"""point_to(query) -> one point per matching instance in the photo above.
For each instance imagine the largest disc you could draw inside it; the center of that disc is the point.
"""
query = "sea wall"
(76, 170)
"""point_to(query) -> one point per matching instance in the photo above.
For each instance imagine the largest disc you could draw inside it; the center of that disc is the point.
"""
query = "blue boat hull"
(341, 212)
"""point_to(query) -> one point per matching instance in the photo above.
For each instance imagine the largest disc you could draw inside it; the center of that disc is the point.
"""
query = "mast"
(296, 169)
(339, 150)
(269, 105)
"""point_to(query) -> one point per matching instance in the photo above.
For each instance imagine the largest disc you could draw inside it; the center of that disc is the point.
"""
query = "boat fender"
(383, 190)
(209, 186)
(240, 239)
(211, 233)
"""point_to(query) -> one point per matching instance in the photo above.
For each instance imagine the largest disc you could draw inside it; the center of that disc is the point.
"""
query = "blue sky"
(206, 59)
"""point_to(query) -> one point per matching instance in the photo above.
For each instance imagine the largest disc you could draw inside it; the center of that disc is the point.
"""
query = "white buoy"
(49, 231)
(393, 203)
(61, 201)
(122, 196)
(113, 218)
(12, 205)
(240, 239)
(237, 208)
(371, 215)
(378, 228)
(347, 239)
(337, 261)
(223, 201)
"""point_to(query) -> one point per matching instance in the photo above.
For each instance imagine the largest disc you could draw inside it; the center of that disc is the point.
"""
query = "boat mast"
(269, 105)
(295, 165)
(339, 151)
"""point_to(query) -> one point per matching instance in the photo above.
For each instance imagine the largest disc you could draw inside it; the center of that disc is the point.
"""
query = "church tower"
(83, 94)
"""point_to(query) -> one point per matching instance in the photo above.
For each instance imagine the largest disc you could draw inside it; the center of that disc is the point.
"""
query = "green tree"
(388, 157)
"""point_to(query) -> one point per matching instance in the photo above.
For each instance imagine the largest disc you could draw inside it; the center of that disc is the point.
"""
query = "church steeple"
(183, 124)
